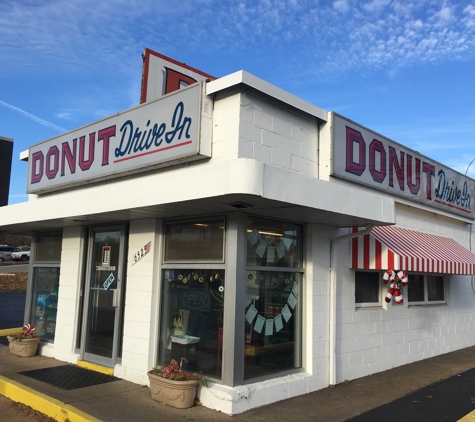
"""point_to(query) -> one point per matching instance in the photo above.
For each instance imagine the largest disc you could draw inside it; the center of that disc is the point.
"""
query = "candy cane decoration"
(398, 280)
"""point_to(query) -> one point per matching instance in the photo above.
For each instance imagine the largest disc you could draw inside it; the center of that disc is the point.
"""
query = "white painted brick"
(225, 150)
(257, 398)
(262, 153)
(246, 148)
(375, 341)
(299, 164)
(250, 132)
(347, 345)
(134, 343)
(369, 356)
(381, 354)
(362, 343)
(309, 150)
(300, 134)
(355, 359)
(262, 120)
(272, 140)
(135, 361)
(297, 387)
(277, 392)
(247, 113)
(282, 128)
(368, 329)
(355, 330)
(291, 146)
(280, 159)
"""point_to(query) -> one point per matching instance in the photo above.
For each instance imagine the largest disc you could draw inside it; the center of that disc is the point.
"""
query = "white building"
(226, 212)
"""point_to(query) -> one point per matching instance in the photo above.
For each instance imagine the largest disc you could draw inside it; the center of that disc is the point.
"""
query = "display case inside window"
(273, 320)
(45, 301)
(192, 319)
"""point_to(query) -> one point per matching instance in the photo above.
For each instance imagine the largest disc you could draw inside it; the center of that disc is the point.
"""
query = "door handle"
(116, 298)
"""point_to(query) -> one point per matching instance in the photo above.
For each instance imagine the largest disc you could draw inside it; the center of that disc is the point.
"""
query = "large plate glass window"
(193, 289)
(273, 315)
(46, 262)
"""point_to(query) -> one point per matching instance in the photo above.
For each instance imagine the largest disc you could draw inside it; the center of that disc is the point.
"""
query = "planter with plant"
(169, 385)
(24, 344)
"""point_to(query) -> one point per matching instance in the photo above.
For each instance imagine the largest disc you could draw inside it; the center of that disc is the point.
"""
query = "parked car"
(22, 255)
(8, 250)
(4, 257)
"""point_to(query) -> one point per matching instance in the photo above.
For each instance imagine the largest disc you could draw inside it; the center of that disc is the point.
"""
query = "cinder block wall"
(370, 340)
(276, 134)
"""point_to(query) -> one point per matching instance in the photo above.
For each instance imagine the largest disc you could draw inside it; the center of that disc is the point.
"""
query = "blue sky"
(402, 68)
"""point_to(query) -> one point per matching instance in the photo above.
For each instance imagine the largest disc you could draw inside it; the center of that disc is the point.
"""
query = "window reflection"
(192, 319)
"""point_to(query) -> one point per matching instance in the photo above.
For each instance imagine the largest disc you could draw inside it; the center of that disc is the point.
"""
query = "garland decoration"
(397, 281)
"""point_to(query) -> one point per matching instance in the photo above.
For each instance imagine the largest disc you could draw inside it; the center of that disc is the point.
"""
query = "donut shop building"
(278, 247)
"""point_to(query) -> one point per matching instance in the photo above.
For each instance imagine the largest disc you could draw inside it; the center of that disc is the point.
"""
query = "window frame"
(172, 263)
(378, 304)
(426, 301)
(35, 264)
(182, 264)
(287, 271)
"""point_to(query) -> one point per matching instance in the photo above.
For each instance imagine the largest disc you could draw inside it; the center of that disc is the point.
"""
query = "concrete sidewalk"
(125, 401)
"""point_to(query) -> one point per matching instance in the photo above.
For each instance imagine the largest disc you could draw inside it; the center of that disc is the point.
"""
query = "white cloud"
(86, 36)
(376, 5)
(341, 6)
(34, 118)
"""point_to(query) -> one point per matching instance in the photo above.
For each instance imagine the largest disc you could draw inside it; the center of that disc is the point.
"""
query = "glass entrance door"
(103, 298)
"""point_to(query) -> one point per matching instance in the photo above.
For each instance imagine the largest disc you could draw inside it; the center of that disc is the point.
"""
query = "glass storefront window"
(273, 297)
(273, 244)
(272, 322)
(195, 241)
(48, 248)
(192, 319)
(44, 304)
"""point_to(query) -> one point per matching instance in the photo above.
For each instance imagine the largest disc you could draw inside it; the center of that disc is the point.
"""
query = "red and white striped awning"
(393, 248)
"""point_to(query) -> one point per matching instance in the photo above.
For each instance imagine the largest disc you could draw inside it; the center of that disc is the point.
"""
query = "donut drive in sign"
(154, 134)
(367, 158)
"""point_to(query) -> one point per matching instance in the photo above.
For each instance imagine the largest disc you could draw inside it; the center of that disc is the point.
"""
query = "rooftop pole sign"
(151, 135)
(162, 75)
(365, 157)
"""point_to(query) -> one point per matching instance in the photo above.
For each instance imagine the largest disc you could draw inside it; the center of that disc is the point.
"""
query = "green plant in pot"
(169, 385)
(25, 343)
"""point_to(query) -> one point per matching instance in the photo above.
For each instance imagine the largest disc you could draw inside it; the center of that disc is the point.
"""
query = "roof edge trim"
(243, 77)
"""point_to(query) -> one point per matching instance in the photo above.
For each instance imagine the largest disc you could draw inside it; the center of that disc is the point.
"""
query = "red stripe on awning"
(394, 248)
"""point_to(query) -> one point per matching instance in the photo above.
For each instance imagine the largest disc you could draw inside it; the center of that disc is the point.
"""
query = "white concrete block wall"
(226, 125)
(370, 340)
(139, 348)
(276, 135)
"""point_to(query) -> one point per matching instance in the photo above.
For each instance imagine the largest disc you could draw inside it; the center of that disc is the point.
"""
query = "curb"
(10, 331)
(49, 406)
(468, 418)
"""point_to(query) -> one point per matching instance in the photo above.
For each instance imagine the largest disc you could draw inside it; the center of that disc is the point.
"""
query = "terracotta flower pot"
(178, 394)
(25, 348)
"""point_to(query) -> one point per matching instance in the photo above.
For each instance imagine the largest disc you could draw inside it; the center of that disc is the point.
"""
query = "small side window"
(426, 289)
(367, 289)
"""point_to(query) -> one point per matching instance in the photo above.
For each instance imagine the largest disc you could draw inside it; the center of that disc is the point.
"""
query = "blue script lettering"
(134, 141)
(448, 192)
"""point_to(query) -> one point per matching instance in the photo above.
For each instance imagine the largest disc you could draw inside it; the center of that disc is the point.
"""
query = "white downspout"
(332, 342)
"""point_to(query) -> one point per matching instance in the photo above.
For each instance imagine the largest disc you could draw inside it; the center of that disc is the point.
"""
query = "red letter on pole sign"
(174, 80)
